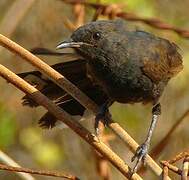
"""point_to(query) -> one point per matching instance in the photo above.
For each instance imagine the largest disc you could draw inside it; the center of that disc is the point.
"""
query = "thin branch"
(69, 25)
(38, 172)
(79, 13)
(165, 173)
(185, 168)
(178, 157)
(68, 120)
(184, 173)
(172, 167)
(97, 13)
(156, 23)
(9, 161)
(62, 82)
(162, 144)
(102, 166)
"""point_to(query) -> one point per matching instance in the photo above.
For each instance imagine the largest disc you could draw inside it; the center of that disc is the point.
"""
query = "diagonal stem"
(68, 120)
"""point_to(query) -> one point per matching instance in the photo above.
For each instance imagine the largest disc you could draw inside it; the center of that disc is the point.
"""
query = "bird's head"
(96, 38)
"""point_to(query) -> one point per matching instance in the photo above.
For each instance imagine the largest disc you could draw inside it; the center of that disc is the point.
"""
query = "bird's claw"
(103, 116)
(140, 154)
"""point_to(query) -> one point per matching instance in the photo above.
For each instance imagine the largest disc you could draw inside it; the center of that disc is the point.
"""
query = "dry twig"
(165, 173)
(185, 168)
(184, 173)
(62, 82)
(178, 157)
(38, 172)
(172, 167)
(102, 165)
(68, 120)
(68, 24)
(162, 144)
(9, 161)
(156, 23)
(79, 13)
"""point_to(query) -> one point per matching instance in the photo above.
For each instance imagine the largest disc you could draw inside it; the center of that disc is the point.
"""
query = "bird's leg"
(103, 115)
(142, 150)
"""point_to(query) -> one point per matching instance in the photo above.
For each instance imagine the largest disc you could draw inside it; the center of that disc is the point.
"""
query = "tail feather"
(72, 107)
(76, 72)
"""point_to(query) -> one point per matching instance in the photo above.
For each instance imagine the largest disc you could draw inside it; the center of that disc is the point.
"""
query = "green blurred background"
(63, 150)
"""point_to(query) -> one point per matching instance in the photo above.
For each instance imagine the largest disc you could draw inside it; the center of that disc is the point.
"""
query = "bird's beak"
(71, 44)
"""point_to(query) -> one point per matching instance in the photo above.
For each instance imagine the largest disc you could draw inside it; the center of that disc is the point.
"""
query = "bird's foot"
(140, 154)
(102, 116)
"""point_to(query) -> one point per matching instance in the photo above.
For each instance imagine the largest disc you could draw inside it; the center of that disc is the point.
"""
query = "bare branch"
(68, 120)
(165, 173)
(178, 157)
(162, 144)
(38, 172)
(79, 13)
(172, 167)
(185, 168)
(184, 172)
(156, 23)
(9, 161)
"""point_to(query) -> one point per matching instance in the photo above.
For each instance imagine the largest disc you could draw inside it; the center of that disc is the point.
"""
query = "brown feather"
(167, 64)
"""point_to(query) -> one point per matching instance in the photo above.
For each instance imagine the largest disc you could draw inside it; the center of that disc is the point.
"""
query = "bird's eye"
(96, 36)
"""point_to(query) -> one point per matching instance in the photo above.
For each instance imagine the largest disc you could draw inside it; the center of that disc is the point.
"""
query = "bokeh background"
(44, 25)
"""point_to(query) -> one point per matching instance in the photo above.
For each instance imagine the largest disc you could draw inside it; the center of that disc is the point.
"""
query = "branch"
(162, 144)
(102, 165)
(178, 157)
(185, 168)
(156, 23)
(165, 173)
(79, 13)
(68, 120)
(172, 167)
(62, 82)
(184, 173)
(7, 160)
(38, 172)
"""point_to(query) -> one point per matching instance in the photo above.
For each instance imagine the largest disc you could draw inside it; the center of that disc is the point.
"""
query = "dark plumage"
(75, 71)
(120, 64)
(131, 65)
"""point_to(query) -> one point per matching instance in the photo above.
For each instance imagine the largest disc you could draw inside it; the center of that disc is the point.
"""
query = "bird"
(119, 63)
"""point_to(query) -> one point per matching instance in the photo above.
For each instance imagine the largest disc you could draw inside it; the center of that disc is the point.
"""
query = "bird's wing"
(163, 62)
(75, 71)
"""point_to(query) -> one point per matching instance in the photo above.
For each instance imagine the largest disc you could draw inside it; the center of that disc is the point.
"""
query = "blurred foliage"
(7, 127)
(43, 151)
(44, 25)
